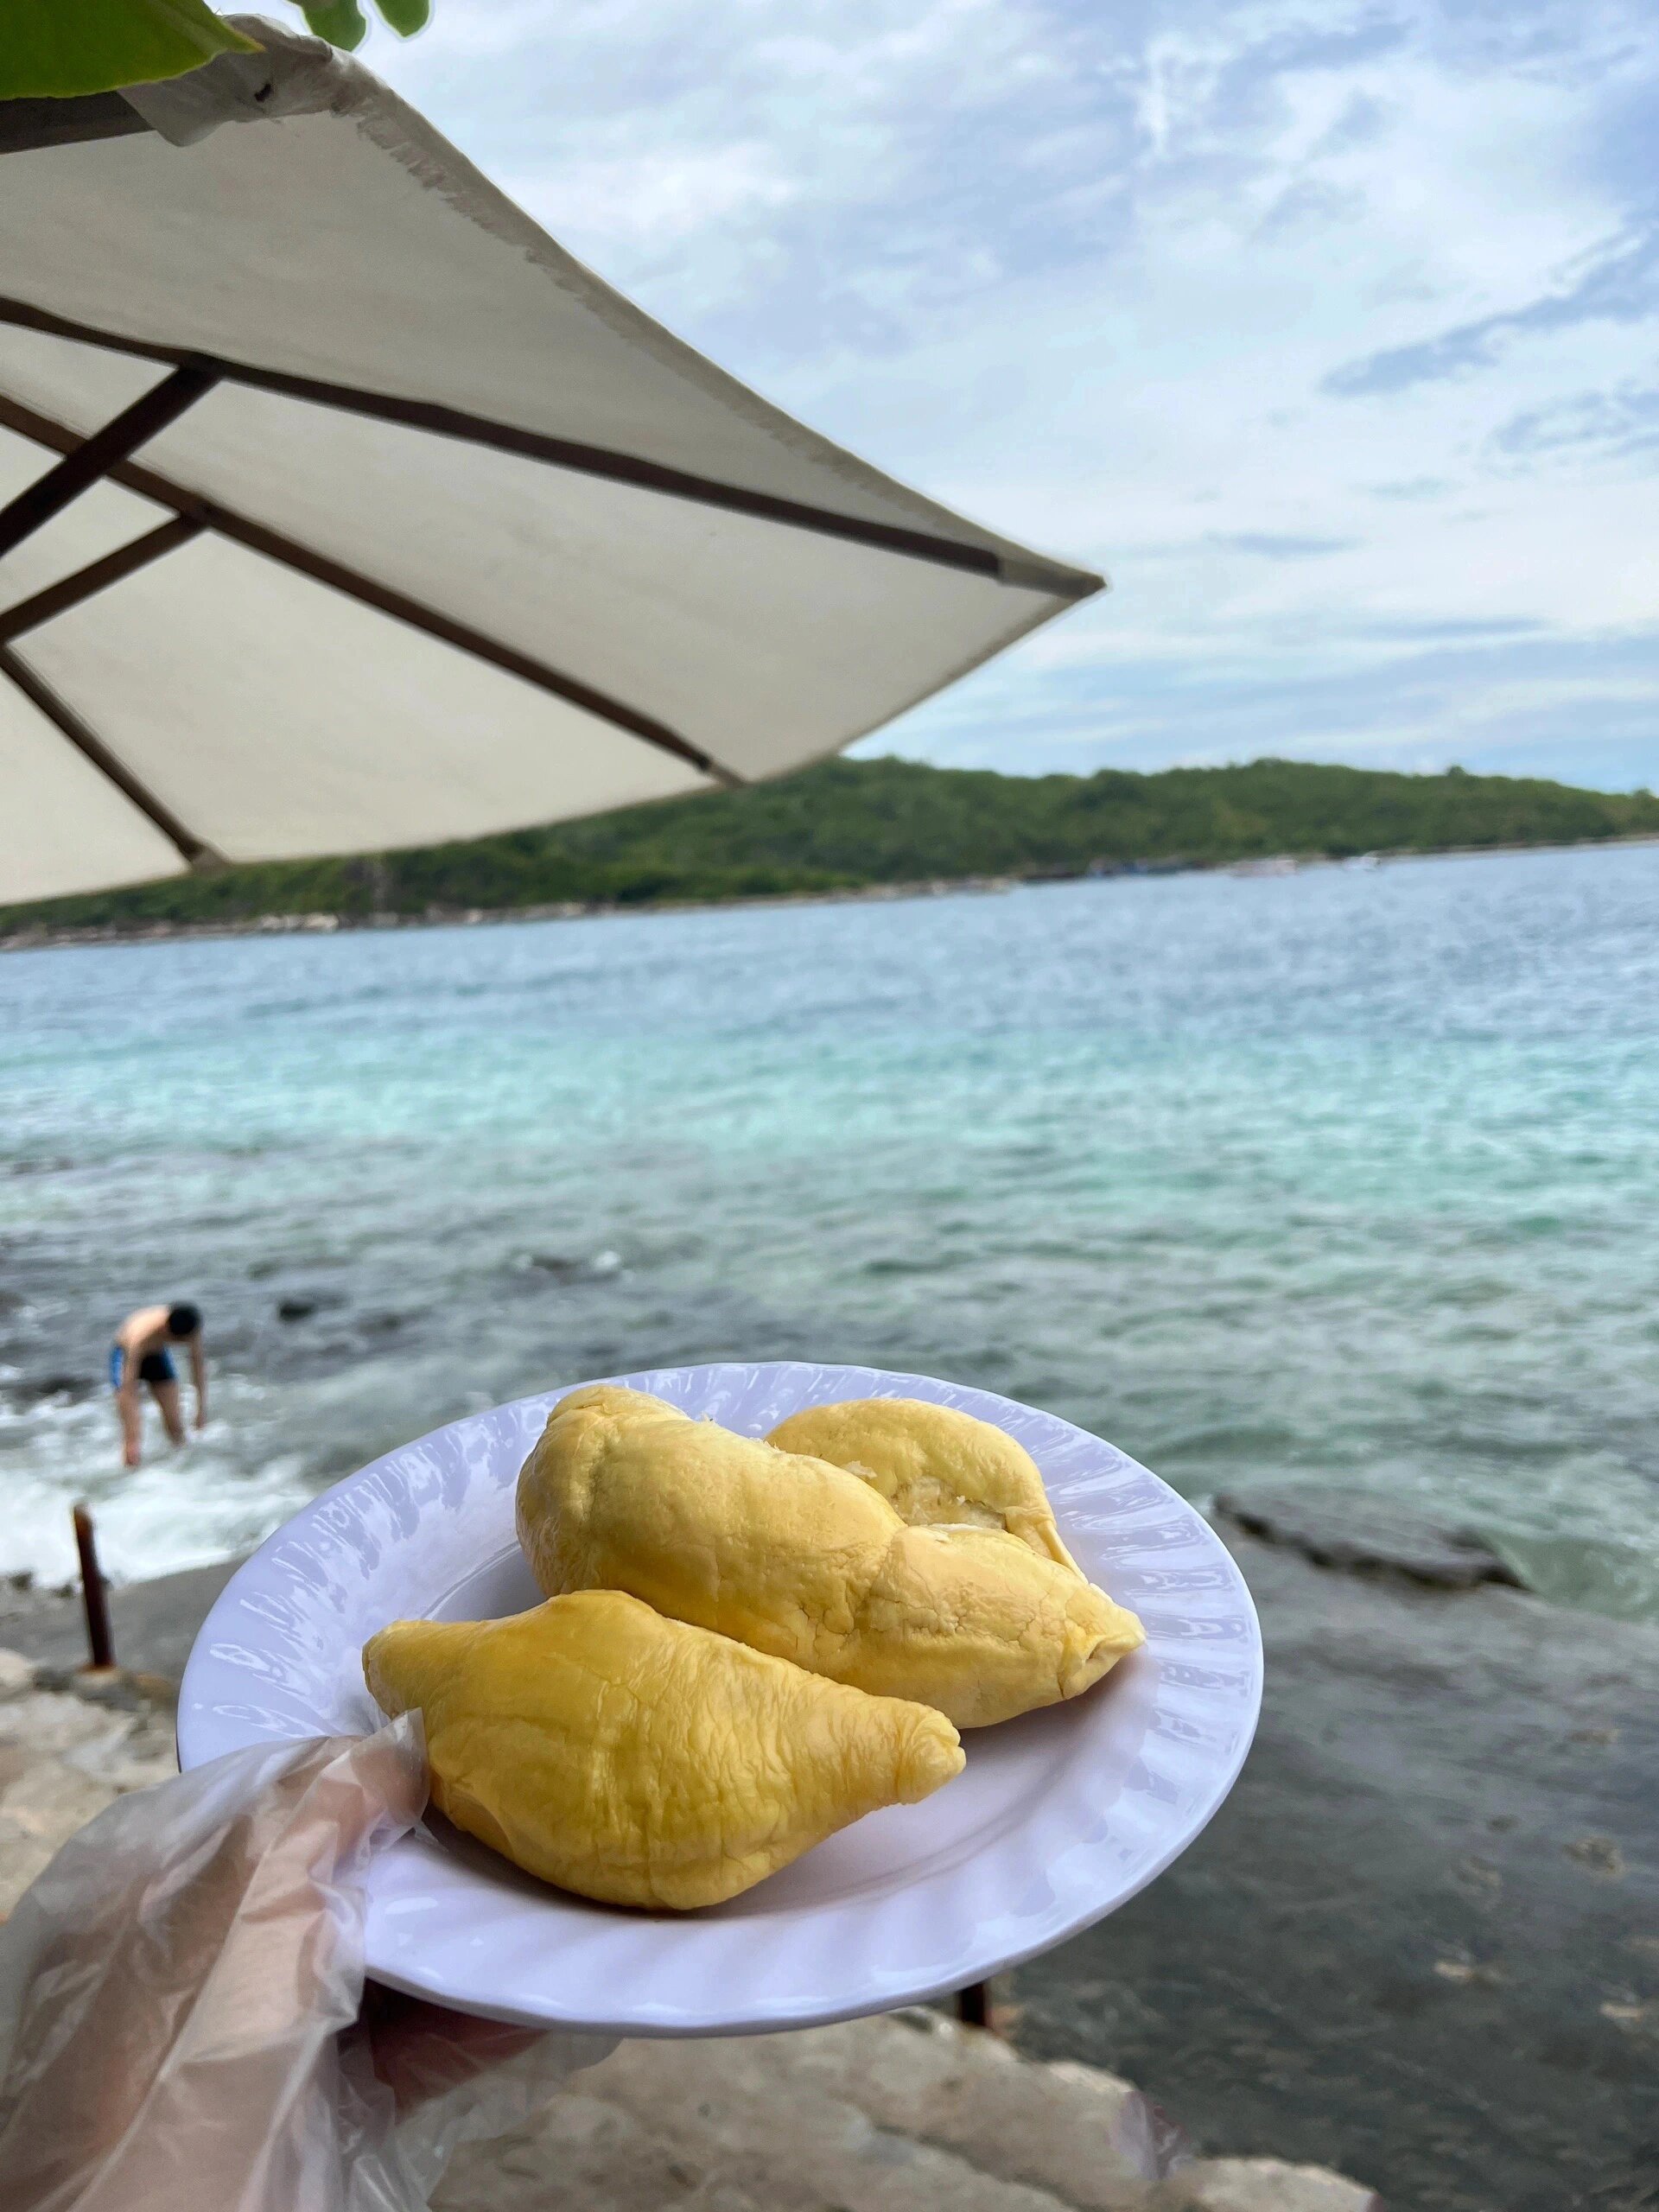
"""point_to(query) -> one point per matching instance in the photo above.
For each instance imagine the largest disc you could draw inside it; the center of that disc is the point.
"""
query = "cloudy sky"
(1329, 329)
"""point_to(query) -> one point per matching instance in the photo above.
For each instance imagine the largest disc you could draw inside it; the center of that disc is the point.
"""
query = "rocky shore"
(39, 936)
(907, 2114)
(45, 937)
(1420, 1944)
(1420, 1941)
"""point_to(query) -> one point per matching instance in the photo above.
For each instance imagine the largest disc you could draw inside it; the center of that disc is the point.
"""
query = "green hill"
(851, 822)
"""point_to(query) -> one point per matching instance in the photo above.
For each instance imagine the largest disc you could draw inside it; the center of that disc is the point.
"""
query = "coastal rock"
(911, 2112)
(1074, 2130)
(1364, 1535)
(301, 1304)
(908, 2114)
(22, 1856)
(1260, 2185)
(65, 1754)
(48, 1799)
(1392, 1953)
(1075, 2133)
(155, 1624)
(35, 1389)
(1412, 1946)
(54, 1721)
(899, 2115)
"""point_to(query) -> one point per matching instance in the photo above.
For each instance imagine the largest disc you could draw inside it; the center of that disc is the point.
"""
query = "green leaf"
(405, 17)
(57, 49)
(342, 22)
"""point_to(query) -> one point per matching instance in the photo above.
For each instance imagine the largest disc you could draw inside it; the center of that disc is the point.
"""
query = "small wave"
(171, 1515)
(566, 1267)
(220, 1494)
(1590, 1574)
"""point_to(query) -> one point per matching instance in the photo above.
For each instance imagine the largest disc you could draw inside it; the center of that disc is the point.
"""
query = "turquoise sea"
(1347, 1179)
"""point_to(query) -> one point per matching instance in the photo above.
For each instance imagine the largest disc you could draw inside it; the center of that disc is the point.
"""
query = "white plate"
(1059, 1817)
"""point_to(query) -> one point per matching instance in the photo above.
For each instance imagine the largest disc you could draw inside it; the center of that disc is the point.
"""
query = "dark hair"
(183, 1320)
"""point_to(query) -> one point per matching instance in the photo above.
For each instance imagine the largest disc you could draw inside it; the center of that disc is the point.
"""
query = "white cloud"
(1103, 275)
(616, 200)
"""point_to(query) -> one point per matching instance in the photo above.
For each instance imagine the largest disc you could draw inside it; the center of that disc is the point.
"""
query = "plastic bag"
(182, 2004)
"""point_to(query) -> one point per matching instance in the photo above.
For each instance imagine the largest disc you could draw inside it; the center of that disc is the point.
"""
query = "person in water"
(143, 1352)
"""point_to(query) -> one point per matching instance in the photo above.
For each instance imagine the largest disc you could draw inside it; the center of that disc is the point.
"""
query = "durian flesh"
(641, 1760)
(935, 1467)
(806, 1561)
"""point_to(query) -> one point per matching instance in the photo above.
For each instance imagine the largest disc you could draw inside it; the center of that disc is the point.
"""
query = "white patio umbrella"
(341, 510)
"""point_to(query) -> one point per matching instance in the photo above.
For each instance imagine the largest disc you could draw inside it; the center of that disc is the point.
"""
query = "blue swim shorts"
(154, 1367)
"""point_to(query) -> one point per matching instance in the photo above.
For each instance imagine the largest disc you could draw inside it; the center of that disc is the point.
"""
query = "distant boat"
(1280, 864)
(1364, 860)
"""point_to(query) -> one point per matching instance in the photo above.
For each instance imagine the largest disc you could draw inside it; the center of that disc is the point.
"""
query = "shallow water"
(1347, 1177)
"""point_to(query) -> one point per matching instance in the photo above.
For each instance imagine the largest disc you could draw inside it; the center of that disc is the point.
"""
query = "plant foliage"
(59, 49)
(851, 824)
(56, 49)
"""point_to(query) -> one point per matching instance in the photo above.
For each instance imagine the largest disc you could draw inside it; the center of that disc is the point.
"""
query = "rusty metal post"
(974, 2007)
(94, 1592)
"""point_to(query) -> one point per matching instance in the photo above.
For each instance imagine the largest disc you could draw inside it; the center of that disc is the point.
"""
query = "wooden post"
(94, 1593)
(974, 2007)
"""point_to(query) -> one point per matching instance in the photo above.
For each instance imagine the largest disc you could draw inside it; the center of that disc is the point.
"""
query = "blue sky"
(1330, 331)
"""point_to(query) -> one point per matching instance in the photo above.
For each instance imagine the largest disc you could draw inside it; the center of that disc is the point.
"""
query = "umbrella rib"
(28, 124)
(57, 599)
(190, 848)
(257, 537)
(585, 460)
(95, 456)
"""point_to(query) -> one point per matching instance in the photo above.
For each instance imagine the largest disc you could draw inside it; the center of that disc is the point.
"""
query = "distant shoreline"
(40, 936)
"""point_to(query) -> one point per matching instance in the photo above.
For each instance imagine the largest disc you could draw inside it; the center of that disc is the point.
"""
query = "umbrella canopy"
(340, 509)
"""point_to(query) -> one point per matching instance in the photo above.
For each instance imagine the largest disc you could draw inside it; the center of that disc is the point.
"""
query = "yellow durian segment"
(641, 1760)
(934, 1465)
(806, 1561)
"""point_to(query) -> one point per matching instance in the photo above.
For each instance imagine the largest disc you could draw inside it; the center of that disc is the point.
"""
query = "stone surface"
(49, 1799)
(1392, 1953)
(1259, 2185)
(1364, 1536)
(65, 1753)
(1071, 2129)
(54, 1720)
(154, 1624)
(1418, 1945)
(1068, 2132)
(910, 2113)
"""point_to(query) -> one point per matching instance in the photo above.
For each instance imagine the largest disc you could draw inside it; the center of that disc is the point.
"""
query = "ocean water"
(1347, 1179)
